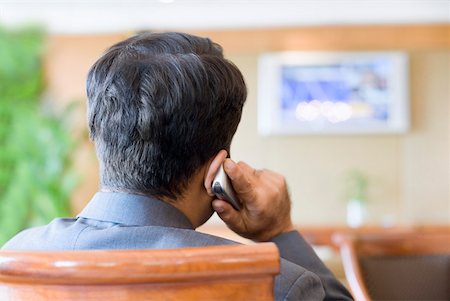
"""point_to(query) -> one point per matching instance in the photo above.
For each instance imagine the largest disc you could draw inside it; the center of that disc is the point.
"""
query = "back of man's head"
(160, 105)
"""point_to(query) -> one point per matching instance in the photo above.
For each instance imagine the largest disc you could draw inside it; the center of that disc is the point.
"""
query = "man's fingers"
(246, 168)
(240, 179)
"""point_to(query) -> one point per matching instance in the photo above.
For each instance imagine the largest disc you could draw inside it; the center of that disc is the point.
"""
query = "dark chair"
(408, 266)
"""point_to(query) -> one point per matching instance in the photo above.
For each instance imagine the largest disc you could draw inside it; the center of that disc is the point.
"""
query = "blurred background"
(48, 166)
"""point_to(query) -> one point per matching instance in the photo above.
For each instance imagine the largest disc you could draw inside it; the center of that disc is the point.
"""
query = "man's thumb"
(225, 211)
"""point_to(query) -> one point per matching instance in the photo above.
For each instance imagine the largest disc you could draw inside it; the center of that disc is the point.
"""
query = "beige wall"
(425, 151)
(409, 174)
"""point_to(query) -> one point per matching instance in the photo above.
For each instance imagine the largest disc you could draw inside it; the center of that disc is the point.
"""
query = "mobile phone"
(222, 188)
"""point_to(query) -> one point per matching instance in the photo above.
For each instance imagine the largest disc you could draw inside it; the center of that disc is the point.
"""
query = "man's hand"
(266, 207)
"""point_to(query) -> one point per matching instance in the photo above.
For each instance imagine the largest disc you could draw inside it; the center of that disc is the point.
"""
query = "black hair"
(160, 105)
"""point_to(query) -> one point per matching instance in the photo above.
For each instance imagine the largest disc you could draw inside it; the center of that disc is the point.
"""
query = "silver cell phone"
(222, 188)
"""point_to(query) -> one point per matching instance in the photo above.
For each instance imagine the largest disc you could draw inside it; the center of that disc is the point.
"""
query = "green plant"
(36, 178)
(357, 184)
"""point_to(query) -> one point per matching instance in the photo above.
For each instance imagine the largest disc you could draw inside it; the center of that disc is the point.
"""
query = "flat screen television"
(333, 93)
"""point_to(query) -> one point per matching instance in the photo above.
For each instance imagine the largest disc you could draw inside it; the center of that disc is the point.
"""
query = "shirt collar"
(134, 210)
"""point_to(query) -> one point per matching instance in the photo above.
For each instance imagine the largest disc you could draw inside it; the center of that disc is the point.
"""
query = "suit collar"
(134, 210)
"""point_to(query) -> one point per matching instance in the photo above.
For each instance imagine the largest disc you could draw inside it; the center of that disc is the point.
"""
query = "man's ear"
(212, 169)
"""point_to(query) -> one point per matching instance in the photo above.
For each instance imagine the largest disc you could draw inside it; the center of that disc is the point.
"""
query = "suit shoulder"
(42, 237)
(296, 283)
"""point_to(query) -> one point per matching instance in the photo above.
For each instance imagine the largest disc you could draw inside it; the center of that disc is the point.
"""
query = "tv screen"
(332, 93)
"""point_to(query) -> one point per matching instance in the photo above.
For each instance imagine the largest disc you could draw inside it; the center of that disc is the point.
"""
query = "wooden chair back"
(234, 272)
(399, 266)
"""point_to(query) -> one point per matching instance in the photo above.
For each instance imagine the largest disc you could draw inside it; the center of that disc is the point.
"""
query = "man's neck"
(194, 202)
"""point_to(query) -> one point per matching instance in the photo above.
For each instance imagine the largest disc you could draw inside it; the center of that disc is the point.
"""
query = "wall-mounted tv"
(333, 93)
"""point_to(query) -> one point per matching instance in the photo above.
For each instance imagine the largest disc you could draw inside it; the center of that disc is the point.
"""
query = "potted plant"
(356, 195)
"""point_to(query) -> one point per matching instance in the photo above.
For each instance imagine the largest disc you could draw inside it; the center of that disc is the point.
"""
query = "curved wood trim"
(351, 267)
(139, 266)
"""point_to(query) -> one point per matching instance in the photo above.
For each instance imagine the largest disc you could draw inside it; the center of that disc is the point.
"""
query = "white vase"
(356, 213)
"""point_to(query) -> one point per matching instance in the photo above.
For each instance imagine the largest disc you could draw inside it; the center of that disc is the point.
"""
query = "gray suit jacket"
(127, 221)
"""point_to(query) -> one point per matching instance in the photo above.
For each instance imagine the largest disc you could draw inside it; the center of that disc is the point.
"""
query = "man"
(162, 111)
